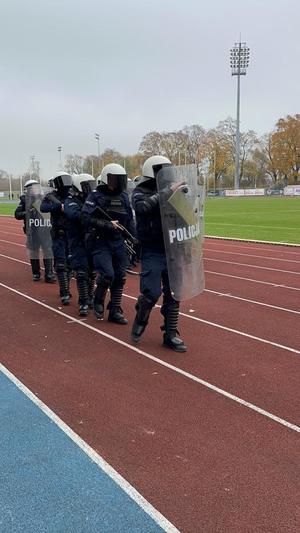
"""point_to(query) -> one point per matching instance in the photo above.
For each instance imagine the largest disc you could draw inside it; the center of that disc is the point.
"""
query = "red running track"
(206, 461)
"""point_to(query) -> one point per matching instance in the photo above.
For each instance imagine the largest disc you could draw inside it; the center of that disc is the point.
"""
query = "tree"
(285, 141)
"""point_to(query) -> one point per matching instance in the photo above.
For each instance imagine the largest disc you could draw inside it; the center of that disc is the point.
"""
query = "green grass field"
(274, 219)
(263, 218)
(7, 209)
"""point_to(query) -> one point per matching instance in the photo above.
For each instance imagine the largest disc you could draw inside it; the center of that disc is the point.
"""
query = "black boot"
(49, 275)
(35, 267)
(170, 311)
(103, 284)
(82, 287)
(143, 309)
(63, 286)
(115, 310)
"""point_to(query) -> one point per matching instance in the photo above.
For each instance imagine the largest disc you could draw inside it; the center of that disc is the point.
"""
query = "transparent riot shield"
(38, 224)
(182, 214)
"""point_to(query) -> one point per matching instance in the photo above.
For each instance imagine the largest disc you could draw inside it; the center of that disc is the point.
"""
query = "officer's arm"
(142, 204)
(90, 219)
(20, 212)
(72, 210)
(51, 204)
(130, 226)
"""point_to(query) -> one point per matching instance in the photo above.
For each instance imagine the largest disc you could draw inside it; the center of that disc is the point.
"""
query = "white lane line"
(235, 244)
(231, 330)
(253, 266)
(205, 290)
(277, 285)
(207, 259)
(14, 243)
(12, 233)
(253, 301)
(161, 362)
(161, 520)
(252, 255)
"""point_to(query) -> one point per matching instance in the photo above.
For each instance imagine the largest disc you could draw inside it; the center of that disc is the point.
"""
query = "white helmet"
(114, 176)
(30, 182)
(62, 179)
(84, 183)
(149, 170)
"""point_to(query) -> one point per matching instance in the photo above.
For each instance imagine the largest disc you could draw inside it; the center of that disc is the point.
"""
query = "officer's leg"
(45, 242)
(170, 312)
(82, 280)
(103, 265)
(119, 262)
(91, 287)
(35, 267)
(49, 275)
(60, 266)
(151, 291)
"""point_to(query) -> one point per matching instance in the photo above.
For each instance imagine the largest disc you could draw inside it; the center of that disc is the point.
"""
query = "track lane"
(254, 371)
(187, 450)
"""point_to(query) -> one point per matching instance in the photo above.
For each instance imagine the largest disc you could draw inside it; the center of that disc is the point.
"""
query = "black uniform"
(154, 275)
(53, 204)
(106, 244)
(35, 245)
(81, 261)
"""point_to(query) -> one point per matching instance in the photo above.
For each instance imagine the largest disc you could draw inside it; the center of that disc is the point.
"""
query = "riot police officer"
(81, 260)
(53, 203)
(154, 276)
(40, 239)
(105, 212)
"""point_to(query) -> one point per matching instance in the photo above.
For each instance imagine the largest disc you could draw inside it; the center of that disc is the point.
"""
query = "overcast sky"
(70, 68)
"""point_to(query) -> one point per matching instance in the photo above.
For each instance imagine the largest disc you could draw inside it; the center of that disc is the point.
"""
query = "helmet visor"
(88, 186)
(157, 168)
(117, 182)
(62, 181)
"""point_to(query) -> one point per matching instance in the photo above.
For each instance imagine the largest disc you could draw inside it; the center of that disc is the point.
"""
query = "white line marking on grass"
(94, 456)
(257, 256)
(233, 239)
(164, 363)
(253, 266)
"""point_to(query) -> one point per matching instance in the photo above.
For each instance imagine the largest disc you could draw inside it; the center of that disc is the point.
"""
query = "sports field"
(266, 218)
(274, 219)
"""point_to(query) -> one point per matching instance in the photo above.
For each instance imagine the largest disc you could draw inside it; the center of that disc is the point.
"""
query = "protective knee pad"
(60, 266)
(143, 308)
(103, 284)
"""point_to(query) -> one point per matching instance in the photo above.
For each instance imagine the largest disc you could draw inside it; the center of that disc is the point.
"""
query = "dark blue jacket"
(145, 202)
(52, 203)
(112, 206)
(72, 209)
(20, 212)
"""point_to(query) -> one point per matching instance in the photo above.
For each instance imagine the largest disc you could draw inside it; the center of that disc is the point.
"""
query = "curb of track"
(251, 240)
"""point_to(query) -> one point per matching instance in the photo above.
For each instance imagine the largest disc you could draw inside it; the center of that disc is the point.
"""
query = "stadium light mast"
(239, 61)
(59, 149)
(97, 137)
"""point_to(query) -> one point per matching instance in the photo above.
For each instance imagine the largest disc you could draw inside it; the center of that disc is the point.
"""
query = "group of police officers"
(90, 229)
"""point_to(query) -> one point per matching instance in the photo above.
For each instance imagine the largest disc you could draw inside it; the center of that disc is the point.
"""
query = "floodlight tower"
(239, 61)
(97, 137)
(59, 149)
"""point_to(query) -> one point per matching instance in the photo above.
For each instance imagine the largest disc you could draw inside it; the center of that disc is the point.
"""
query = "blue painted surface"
(48, 484)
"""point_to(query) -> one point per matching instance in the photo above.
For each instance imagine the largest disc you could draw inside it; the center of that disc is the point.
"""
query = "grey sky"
(123, 68)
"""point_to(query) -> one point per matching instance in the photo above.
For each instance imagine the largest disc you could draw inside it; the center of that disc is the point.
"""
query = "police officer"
(54, 203)
(103, 212)
(81, 260)
(36, 243)
(154, 276)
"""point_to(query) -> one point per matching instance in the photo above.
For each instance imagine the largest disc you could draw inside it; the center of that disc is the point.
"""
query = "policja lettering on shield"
(184, 234)
(40, 222)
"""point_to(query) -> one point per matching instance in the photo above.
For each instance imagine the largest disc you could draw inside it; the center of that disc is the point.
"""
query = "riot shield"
(38, 224)
(182, 214)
